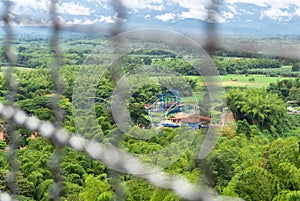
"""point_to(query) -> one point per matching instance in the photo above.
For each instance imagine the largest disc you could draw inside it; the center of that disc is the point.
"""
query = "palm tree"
(258, 107)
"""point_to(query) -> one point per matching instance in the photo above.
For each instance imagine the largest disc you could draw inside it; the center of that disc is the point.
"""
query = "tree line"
(256, 157)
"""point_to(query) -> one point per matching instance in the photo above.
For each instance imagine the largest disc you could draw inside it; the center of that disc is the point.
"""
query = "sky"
(232, 16)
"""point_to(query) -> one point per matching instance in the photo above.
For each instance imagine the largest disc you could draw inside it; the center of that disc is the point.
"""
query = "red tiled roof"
(190, 118)
(204, 118)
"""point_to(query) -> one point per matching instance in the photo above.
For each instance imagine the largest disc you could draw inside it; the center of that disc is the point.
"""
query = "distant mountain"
(232, 17)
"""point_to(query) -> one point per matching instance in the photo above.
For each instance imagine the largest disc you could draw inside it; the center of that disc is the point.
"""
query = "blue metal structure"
(165, 101)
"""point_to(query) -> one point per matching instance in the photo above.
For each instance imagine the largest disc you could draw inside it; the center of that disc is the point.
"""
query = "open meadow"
(238, 80)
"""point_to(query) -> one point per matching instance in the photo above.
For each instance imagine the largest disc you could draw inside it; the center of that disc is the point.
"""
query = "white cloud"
(31, 5)
(32, 10)
(192, 4)
(156, 7)
(232, 8)
(199, 11)
(72, 8)
(228, 15)
(196, 10)
(77, 21)
(89, 22)
(261, 3)
(20, 20)
(276, 14)
(279, 10)
(203, 15)
(103, 3)
(297, 12)
(194, 14)
(166, 17)
(144, 4)
(266, 3)
(247, 12)
(106, 19)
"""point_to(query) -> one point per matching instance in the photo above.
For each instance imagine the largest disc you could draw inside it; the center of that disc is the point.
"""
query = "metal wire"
(5, 197)
(116, 75)
(107, 154)
(55, 74)
(110, 155)
(10, 97)
(212, 40)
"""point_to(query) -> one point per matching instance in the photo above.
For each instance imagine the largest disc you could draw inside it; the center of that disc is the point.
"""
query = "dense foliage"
(243, 65)
(260, 108)
(257, 156)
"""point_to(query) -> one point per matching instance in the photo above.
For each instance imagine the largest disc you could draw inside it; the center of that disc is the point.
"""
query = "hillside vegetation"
(257, 156)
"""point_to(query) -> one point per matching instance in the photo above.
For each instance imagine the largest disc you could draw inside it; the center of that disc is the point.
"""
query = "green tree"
(42, 190)
(252, 184)
(139, 189)
(163, 195)
(281, 151)
(25, 187)
(260, 108)
(287, 196)
(71, 191)
(96, 188)
(243, 127)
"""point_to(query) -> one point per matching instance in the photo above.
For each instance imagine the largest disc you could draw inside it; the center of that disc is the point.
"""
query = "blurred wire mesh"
(110, 156)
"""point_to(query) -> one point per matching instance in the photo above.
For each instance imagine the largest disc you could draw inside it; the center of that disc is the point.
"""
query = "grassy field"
(243, 81)
(197, 96)
(227, 80)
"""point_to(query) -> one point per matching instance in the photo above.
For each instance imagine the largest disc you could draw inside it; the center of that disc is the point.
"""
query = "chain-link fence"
(110, 155)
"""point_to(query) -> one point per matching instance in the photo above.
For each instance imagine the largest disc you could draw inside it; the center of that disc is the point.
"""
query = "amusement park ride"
(166, 110)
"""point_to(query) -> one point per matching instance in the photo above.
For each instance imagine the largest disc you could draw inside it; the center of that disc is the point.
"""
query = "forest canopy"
(257, 155)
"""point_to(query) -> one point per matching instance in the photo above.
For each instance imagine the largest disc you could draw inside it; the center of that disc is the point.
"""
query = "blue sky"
(234, 16)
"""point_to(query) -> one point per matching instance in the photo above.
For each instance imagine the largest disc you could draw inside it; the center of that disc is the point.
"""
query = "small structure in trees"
(192, 120)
